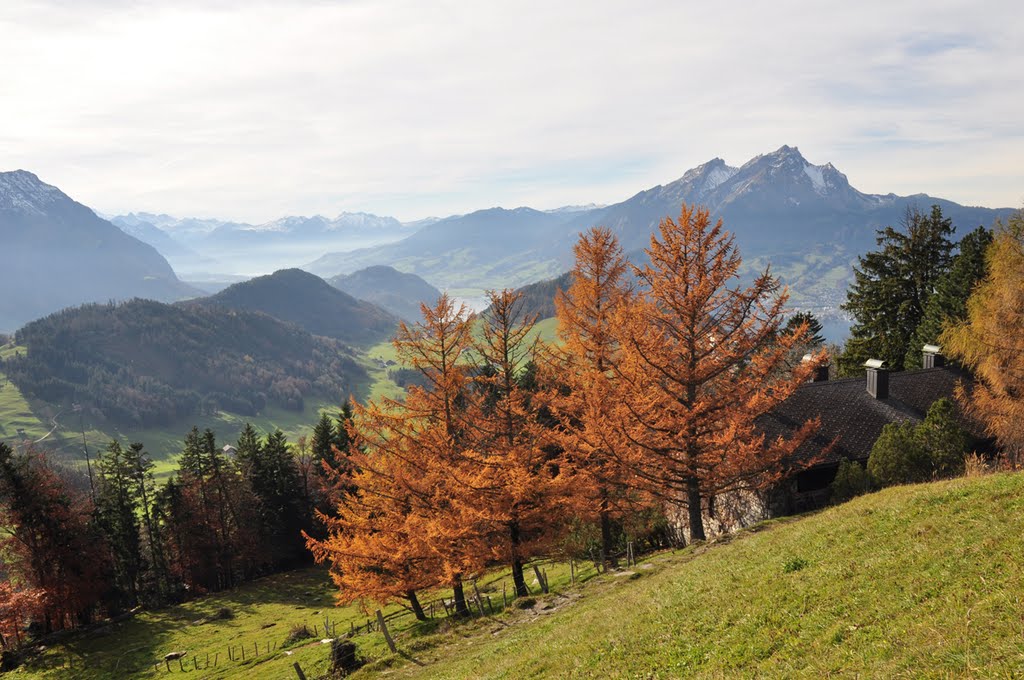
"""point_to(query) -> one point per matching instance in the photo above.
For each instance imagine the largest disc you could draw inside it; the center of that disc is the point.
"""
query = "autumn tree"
(401, 529)
(48, 545)
(892, 286)
(989, 341)
(583, 366)
(700, 363)
(505, 477)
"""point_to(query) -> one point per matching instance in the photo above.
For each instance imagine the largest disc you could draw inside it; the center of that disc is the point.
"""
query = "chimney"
(820, 372)
(933, 357)
(878, 378)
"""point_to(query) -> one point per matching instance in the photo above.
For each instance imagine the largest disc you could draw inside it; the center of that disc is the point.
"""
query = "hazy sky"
(253, 110)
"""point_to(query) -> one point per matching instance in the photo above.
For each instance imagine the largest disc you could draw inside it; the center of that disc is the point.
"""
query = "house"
(853, 412)
(230, 450)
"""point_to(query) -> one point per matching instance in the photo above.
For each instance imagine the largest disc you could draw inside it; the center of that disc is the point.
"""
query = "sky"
(249, 110)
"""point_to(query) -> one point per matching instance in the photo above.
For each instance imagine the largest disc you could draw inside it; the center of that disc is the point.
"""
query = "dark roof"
(854, 418)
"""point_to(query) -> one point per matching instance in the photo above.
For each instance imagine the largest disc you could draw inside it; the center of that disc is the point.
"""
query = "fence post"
(504, 599)
(384, 629)
(540, 579)
(298, 671)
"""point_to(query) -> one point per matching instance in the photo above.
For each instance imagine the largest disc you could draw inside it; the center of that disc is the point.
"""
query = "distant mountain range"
(310, 303)
(58, 253)
(207, 245)
(805, 219)
(395, 291)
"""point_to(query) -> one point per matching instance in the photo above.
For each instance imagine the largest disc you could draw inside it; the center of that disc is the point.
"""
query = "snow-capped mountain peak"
(23, 192)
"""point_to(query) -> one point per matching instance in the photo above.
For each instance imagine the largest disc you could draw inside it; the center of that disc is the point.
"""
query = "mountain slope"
(914, 581)
(311, 303)
(806, 219)
(59, 253)
(398, 292)
(145, 363)
(165, 244)
(487, 248)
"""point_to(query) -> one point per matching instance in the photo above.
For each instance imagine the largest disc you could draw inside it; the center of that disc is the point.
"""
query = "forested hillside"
(398, 292)
(311, 303)
(144, 363)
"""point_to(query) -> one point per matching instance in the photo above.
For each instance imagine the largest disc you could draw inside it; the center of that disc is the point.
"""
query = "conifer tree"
(506, 478)
(117, 511)
(989, 341)
(582, 368)
(948, 304)
(701, 360)
(402, 529)
(891, 289)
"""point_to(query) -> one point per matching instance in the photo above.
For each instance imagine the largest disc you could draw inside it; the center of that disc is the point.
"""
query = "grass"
(263, 612)
(914, 581)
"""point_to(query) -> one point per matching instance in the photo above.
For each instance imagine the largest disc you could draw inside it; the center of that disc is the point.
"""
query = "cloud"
(254, 110)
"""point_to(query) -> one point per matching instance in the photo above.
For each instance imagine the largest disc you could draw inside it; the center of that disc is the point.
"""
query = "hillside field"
(913, 581)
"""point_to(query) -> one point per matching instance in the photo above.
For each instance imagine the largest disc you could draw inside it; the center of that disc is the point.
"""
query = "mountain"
(149, 233)
(806, 220)
(487, 248)
(310, 303)
(539, 297)
(397, 292)
(59, 253)
(144, 363)
(233, 248)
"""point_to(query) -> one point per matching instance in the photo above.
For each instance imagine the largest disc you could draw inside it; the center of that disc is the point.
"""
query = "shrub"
(298, 633)
(943, 439)
(851, 480)
(905, 453)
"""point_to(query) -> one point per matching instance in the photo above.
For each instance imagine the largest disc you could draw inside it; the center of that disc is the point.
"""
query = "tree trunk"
(417, 608)
(460, 598)
(693, 506)
(518, 580)
(606, 536)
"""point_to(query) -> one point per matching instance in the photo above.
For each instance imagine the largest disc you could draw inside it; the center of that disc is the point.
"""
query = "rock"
(171, 656)
(267, 625)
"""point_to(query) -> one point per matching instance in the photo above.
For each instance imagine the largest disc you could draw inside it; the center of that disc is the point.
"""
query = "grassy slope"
(913, 581)
(916, 581)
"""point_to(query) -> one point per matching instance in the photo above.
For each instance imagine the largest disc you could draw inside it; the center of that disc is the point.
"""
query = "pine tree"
(701, 360)
(891, 289)
(989, 341)
(814, 338)
(117, 511)
(948, 304)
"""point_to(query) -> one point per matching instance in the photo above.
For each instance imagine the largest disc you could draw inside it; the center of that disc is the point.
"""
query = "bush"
(851, 480)
(298, 633)
(906, 453)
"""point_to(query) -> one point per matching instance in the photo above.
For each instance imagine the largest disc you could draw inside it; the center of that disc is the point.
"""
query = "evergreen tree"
(324, 436)
(117, 513)
(948, 304)
(891, 288)
(144, 489)
(814, 338)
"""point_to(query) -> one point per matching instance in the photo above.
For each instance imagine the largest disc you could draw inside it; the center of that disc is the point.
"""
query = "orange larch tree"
(581, 370)
(701, 360)
(509, 481)
(990, 341)
(401, 528)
